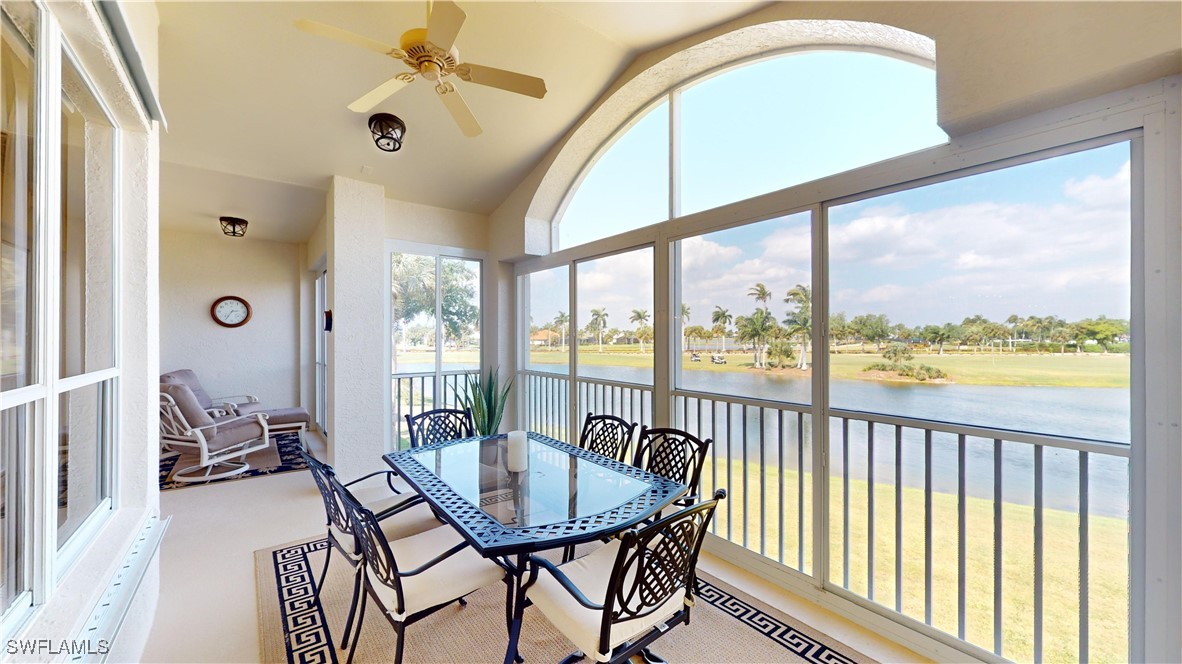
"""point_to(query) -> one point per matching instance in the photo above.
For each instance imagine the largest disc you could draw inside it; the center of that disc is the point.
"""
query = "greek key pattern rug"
(726, 625)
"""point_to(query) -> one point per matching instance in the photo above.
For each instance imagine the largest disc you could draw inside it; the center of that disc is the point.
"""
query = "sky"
(1046, 238)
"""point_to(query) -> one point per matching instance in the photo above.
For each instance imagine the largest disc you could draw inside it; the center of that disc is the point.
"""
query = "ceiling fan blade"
(342, 35)
(505, 80)
(459, 109)
(444, 23)
(376, 96)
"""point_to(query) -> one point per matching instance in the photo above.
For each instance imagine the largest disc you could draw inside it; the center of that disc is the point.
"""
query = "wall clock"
(230, 311)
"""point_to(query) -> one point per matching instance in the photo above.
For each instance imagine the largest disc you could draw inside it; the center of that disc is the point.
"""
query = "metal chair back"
(607, 435)
(673, 454)
(438, 425)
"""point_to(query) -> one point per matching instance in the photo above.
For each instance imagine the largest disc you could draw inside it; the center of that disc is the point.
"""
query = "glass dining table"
(565, 496)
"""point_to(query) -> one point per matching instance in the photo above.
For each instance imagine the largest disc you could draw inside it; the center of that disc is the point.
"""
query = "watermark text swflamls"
(57, 647)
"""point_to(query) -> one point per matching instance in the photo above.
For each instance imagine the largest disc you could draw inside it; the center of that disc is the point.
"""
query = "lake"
(1083, 412)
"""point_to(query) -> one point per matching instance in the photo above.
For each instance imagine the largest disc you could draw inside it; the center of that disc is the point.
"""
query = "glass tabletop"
(566, 495)
(556, 486)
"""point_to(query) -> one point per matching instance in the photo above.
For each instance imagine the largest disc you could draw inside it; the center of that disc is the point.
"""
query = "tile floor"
(207, 608)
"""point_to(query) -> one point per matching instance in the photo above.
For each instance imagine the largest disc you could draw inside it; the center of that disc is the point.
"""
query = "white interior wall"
(260, 358)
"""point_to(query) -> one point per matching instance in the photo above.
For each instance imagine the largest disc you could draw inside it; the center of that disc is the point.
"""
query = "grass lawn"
(1108, 549)
(1069, 370)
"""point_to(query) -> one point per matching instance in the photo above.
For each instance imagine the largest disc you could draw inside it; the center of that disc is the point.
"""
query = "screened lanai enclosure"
(915, 359)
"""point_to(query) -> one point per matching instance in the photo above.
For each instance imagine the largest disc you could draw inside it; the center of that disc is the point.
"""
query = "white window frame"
(437, 252)
(1147, 116)
(48, 563)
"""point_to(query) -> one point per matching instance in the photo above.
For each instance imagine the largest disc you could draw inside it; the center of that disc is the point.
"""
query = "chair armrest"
(261, 417)
(366, 477)
(217, 412)
(436, 560)
(236, 398)
(564, 581)
(400, 507)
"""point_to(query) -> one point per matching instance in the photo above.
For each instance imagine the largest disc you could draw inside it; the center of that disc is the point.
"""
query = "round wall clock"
(230, 311)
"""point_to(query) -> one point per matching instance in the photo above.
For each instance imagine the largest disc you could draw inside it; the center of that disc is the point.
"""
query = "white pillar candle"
(518, 460)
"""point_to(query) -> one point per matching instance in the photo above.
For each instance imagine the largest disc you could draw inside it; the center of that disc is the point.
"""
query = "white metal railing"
(982, 534)
(414, 393)
(546, 405)
(1009, 478)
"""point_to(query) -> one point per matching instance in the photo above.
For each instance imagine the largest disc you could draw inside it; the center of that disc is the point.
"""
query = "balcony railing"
(414, 393)
(981, 534)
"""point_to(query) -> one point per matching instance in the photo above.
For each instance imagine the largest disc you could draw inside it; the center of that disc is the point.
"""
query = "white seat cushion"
(581, 625)
(376, 496)
(447, 581)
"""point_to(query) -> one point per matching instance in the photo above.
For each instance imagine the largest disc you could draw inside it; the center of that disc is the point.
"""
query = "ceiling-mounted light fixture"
(387, 131)
(233, 226)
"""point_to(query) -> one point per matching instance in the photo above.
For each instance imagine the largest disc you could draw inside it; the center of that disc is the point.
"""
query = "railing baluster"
(899, 518)
(780, 462)
(961, 552)
(714, 452)
(845, 502)
(927, 526)
(998, 557)
(762, 491)
(1083, 556)
(1038, 559)
(800, 491)
(870, 510)
(729, 479)
(745, 492)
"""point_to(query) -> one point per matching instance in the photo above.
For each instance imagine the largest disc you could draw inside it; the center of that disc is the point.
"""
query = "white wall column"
(358, 283)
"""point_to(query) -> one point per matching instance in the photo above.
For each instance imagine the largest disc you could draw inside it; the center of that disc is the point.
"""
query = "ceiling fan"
(431, 53)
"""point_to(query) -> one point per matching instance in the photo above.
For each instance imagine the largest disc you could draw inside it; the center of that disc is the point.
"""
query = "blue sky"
(1050, 237)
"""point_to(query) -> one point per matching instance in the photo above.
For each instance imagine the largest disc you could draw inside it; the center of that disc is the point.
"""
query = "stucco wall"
(438, 226)
(261, 357)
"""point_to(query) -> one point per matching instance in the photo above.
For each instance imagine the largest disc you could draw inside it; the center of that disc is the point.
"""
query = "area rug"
(282, 456)
(726, 625)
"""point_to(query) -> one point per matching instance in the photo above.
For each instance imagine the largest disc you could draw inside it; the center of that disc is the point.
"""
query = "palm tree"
(640, 317)
(800, 322)
(756, 328)
(599, 324)
(685, 316)
(721, 318)
(760, 293)
(561, 321)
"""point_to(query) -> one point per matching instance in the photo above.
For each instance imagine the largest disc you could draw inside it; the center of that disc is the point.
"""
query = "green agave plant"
(485, 396)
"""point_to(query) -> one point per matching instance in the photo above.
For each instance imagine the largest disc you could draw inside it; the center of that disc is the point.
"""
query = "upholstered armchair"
(221, 444)
(279, 420)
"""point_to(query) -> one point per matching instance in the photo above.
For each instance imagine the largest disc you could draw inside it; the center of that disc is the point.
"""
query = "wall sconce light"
(387, 131)
(233, 226)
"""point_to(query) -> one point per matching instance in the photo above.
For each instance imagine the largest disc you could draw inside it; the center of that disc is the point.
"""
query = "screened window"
(752, 130)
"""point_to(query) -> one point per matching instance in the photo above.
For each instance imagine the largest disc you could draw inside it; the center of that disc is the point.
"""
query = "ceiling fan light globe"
(412, 37)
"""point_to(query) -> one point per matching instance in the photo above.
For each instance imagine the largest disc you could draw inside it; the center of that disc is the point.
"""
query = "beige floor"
(207, 606)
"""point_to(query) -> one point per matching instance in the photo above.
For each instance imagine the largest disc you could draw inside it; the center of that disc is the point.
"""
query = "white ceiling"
(246, 94)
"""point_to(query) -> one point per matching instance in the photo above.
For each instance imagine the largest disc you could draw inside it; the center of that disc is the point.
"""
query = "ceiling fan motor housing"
(430, 61)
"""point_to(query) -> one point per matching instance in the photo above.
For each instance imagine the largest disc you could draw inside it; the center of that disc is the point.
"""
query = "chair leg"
(650, 657)
(360, 621)
(323, 572)
(568, 553)
(462, 602)
(576, 656)
(400, 631)
(353, 606)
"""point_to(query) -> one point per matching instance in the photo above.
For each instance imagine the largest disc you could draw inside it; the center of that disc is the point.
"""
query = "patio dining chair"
(675, 455)
(438, 425)
(413, 577)
(613, 603)
(400, 511)
(607, 435)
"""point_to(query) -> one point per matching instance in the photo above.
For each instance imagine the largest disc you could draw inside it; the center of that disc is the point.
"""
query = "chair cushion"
(187, 377)
(234, 433)
(249, 408)
(191, 409)
(376, 496)
(591, 574)
(447, 581)
(282, 416)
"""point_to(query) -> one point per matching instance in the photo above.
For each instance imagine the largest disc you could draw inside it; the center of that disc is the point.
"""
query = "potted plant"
(485, 396)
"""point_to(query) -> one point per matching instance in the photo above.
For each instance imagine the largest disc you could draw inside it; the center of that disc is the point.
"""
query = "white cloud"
(1100, 191)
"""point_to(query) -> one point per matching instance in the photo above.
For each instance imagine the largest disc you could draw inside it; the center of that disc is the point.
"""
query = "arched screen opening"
(757, 128)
